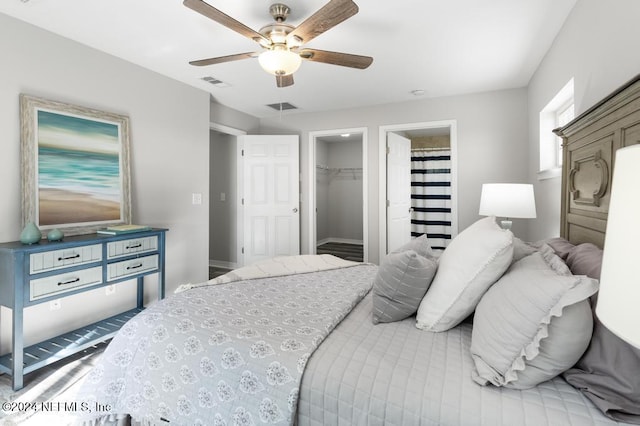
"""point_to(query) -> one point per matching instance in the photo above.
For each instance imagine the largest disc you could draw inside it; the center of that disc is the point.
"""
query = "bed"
(458, 339)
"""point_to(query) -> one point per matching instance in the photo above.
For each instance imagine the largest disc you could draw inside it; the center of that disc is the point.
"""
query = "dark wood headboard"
(589, 145)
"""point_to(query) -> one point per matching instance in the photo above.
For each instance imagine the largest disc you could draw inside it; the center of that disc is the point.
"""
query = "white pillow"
(533, 324)
(472, 262)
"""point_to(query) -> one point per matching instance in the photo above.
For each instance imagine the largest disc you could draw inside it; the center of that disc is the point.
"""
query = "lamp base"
(506, 224)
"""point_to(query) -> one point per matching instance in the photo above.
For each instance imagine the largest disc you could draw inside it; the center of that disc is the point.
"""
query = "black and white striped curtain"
(431, 196)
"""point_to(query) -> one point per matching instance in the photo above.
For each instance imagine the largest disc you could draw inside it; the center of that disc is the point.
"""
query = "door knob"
(295, 210)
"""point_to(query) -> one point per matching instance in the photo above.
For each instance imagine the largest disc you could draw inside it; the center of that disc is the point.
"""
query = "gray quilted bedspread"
(395, 374)
(229, 354)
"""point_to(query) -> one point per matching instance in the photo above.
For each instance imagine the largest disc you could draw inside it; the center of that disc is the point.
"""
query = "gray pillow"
(420, 245)
(533, 324)
(607, 373)
(585, 259)
(402, 280)
(521, 249)
(561, 246)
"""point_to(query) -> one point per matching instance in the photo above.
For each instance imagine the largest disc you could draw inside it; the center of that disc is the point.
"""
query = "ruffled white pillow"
(472, 262)
(533, 324)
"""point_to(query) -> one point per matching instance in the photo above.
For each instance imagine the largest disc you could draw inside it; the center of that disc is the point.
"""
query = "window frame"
(550, 147)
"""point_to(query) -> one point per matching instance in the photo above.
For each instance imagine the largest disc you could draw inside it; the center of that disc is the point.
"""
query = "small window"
(558, 112)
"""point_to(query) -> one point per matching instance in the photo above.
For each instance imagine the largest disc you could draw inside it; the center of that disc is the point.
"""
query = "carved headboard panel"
(589, 145)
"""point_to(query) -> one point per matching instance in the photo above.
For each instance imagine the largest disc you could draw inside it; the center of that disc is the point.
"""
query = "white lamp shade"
(279, 61)
(618, 305)
(512, 200)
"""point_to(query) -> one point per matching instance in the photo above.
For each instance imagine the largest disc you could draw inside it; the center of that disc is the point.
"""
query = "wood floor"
(214, 271)
(346, 251)
(58, 382)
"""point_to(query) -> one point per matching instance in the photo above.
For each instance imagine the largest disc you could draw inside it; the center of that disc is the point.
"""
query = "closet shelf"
(335, 172)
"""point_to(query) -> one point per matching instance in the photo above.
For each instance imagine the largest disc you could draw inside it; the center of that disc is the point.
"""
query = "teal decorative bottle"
(30, 234)
(55, 235)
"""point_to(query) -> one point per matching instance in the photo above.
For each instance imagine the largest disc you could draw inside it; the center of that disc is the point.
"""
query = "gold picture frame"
(75, 166)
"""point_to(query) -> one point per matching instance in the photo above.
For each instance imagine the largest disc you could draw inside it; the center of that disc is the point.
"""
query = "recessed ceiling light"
(418, 92)
(345, 135)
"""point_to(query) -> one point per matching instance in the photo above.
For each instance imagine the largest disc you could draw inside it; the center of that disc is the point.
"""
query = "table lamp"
(507, 200)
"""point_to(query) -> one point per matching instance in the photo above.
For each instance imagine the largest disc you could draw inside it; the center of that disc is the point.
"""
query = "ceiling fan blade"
(336, 58)
(221, 59)
(328, 16)
(211, 12)
(284, 80)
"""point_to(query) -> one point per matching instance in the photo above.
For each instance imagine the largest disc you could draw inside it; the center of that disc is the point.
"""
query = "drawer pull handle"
(69, 282)
(75, 256)
(137, 245)
(139, 265)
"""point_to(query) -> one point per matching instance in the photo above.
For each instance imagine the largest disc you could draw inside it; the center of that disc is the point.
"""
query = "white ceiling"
(444, 47)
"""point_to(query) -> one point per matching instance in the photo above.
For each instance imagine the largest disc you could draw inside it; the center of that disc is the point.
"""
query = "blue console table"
(45, 271)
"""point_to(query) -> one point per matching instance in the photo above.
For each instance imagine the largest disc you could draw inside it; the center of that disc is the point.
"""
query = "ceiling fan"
(282, 43)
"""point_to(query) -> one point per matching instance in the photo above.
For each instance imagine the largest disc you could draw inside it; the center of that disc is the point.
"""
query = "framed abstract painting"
(75, 166)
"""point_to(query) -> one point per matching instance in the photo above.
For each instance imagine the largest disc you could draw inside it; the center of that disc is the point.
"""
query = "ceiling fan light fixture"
(279, 61)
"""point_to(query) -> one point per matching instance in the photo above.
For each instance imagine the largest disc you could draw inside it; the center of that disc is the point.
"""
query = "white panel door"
(398, 191)
(271, 196)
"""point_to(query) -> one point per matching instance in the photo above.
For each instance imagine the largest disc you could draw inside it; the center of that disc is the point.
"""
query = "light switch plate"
(196, 198)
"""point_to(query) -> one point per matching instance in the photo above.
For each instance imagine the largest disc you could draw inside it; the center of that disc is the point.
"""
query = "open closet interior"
(339, 196)
(431, 188)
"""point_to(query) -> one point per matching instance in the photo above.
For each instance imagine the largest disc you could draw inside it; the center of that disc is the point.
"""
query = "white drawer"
(56, 259)
(62, 283)
(117, 249)
(125, 268)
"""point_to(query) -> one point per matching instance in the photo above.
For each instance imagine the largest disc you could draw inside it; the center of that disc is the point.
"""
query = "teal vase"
(55, 235)
(30, 234)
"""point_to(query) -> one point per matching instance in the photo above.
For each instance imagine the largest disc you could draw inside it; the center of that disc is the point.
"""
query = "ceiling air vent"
(214, 81)
(282, 106)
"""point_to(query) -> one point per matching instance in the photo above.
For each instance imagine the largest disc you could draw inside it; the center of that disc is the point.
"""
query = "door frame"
(382, 173)
(311, 202)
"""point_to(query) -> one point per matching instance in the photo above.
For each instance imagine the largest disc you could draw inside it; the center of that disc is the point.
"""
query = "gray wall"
(223, 213)
(169, 158)
(598, 47)
(322, 191)
(233, 118)
(492, 145)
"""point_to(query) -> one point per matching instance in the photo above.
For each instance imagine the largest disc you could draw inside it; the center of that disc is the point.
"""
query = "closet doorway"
(338, 219)
(430, 206)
